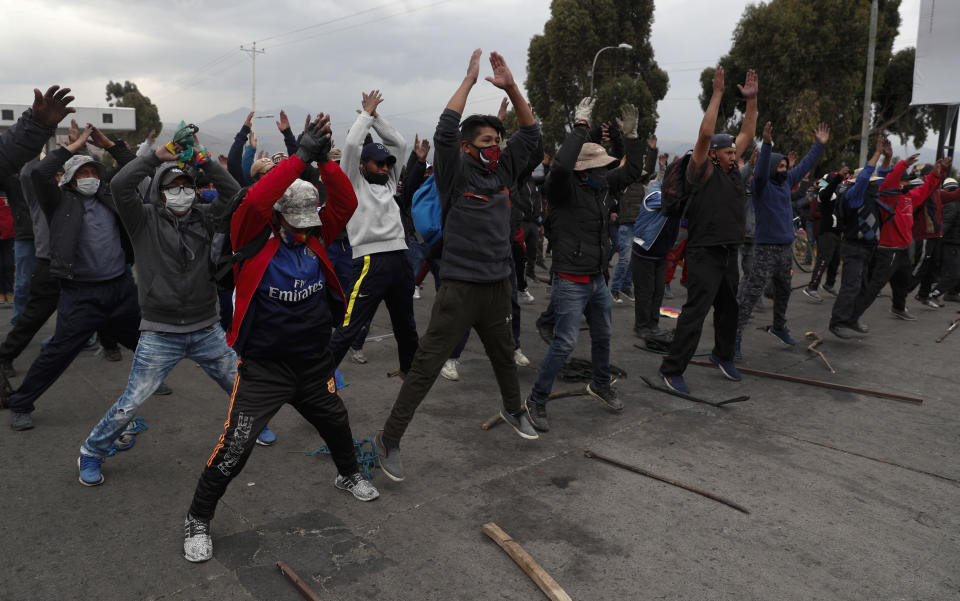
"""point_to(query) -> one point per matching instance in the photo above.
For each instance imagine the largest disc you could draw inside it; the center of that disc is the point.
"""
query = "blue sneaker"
(675, 383)
(266, 437)
(90, 470)
(727, 367)
(782, 335)
(737, 353)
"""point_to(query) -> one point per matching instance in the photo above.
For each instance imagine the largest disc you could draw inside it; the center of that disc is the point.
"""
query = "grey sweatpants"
(771, 262)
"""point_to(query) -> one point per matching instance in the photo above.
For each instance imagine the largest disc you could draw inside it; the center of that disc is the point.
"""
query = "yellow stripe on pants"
(356, 290)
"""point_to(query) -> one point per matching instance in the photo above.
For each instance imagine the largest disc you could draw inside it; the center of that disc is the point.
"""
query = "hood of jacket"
(76, 162)
(154, 195)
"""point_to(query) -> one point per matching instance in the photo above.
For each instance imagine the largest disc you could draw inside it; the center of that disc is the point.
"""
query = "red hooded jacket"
(256, 211)
(897, 231)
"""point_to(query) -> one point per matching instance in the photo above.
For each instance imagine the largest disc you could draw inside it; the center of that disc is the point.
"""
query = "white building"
(107, 119)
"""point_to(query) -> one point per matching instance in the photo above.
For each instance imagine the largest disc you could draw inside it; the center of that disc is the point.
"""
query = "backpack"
(426, 212)
(675, 190)
(866, 221)
(222, 255)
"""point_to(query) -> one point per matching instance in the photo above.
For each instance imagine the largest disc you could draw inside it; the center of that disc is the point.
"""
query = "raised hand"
(253, 139)
(652, 141)
(943, 166)
(421, 148)
(222, 159)
(98, 139)
(502, 113)
(750, 85)
(473, 67)
(822, 133)
(283, 124)
(718, 80)
(628, 120)
(164, 154)
(767, 133)
(249, 120)
(502, 77)
(371, 101)
(315, 140)
(585, 109)
(51, 107)
(81, 139)
(791, 159)
(74, 132)
(605, 132)
(910, 160)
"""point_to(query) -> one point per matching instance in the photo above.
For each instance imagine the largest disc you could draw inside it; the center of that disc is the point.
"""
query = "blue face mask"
(596, 178)
(208, 195)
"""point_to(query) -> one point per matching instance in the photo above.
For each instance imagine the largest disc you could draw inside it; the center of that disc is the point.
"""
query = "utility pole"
(253, 52)
(868, 86)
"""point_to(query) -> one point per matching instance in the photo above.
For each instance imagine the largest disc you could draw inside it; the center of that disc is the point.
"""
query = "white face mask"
(88, 186)
(179, 199)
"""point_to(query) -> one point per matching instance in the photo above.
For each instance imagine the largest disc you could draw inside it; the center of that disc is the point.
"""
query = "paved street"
(850, 497)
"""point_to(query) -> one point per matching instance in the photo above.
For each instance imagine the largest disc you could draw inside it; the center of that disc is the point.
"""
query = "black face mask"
(596, 178)
(779, 177)
(378, 179)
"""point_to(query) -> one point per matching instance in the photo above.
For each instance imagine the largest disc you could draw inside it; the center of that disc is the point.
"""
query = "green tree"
(810, 56)
(559, 61)
(147, 118)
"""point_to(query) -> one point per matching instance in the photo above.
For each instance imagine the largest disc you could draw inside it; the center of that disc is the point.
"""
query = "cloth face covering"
(179, 199)
(88, 186)
(489, 156)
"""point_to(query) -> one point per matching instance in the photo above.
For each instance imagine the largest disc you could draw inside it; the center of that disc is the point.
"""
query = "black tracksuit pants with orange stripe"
(263, 386)
(385, 277)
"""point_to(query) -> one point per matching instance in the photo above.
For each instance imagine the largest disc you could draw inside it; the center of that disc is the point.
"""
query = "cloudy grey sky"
(184, 54)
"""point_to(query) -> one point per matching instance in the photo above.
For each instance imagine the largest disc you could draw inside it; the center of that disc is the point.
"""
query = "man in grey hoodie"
(172, 239)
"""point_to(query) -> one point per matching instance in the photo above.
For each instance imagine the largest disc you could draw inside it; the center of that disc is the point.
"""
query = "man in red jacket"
(896, 216)
(287, 302)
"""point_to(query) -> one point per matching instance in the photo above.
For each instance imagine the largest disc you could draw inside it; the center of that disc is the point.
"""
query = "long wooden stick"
(677, 483)
(953, 326)
(817, 339)
(527, 563)
(298, 582)
(865, 391)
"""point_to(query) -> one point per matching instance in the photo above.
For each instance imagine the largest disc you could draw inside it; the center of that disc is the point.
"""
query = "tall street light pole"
(597, 55)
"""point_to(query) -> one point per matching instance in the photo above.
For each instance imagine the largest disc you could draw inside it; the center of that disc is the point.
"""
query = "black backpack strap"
(247, 251)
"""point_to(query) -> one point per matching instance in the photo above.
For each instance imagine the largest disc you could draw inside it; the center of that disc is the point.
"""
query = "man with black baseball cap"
(716, 224)
(381, 270)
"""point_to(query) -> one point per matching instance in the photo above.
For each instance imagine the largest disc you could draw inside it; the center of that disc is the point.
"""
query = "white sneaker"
(197, 544)
(449, 370)
(357, 356)
(525, 296)
(520, 359)
(358, 486)
(416, 292)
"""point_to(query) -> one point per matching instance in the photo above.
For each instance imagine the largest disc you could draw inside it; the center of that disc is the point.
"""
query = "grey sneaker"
(520, 423)
(813, 295)
(110, 354)
(20, 421)
(357, 356)
(903, 314)
(829, 289)
(608, 397)
(389, 459)
(358, 486)
(860, 327)
(197, 543)
(537, 414)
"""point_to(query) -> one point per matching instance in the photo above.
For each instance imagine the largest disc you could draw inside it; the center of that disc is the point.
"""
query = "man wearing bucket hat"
(172, 239)
(89, 254)
(288, 300)
(715, 214)
(580, 188)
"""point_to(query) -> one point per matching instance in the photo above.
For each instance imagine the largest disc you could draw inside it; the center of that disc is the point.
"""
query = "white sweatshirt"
(376, 226)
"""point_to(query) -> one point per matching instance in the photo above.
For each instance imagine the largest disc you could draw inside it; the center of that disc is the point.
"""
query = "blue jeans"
(156, 354)
(622, 278)
(24, 255)
(418, 253)
(570, 300)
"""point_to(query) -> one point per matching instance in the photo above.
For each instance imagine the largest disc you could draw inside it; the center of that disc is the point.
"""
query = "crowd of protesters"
(266, 271)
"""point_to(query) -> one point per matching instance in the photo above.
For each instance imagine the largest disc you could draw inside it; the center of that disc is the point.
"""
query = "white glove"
(585, 109)
(628, 119)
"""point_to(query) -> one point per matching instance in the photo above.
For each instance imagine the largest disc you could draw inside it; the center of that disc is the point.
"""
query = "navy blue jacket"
(771, 199)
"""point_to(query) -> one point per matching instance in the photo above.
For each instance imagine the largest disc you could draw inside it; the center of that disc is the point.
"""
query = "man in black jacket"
(472, 175)
(579, 188)
(172, 237)
(89, 253)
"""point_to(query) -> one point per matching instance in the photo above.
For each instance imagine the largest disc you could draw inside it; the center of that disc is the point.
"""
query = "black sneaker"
(520, 424)
(829, 289)
(844, 331)
(162, 389)
(7, 369)
(20, 421)
(358, 486)
(110, 354)
(628, 295)
(607, 396)
(197, 543)
(537, 414)
(389, 458)
(615, 296)
(860, 327)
